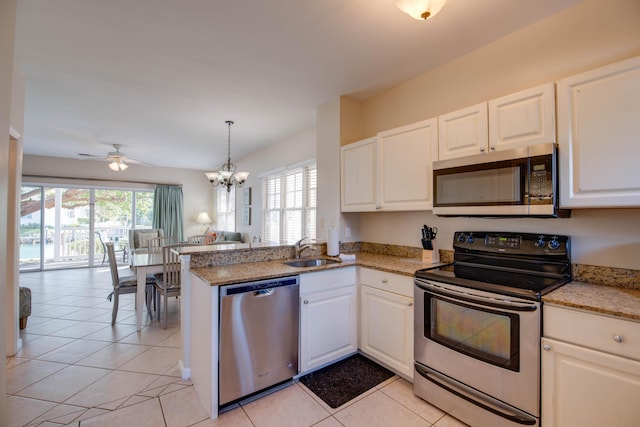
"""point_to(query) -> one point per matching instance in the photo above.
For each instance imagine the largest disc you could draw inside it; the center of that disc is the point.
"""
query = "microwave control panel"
(541, 180)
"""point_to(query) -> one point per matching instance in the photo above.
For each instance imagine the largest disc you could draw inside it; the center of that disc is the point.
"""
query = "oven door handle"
(470, 395)
(478, 299)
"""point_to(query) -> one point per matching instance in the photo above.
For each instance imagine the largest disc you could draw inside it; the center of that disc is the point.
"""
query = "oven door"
(485, 341)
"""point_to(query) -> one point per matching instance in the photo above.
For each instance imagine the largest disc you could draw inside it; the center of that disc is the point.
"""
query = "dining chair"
(200, 239)
(125, 285)
(122, 249)
(168, 282)
(155, 244)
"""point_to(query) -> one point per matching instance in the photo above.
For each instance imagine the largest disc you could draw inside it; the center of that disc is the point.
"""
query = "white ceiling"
(161, 77)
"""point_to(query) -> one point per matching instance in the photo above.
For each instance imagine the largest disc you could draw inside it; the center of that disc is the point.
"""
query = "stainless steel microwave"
(517, 182)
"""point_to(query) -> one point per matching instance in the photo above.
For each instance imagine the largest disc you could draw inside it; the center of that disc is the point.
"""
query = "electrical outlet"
(347, 232)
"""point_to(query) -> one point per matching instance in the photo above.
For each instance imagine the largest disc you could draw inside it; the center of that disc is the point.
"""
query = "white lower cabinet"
(328, 317)
(386, 319)
(590, 370)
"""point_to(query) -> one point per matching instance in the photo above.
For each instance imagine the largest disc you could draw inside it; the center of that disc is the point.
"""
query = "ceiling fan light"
(420, 9)
(118, 165)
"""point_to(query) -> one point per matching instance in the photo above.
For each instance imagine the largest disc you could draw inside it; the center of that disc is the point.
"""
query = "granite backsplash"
(598, 275)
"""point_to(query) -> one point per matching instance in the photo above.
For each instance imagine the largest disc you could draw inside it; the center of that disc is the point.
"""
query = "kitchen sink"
(311, 262)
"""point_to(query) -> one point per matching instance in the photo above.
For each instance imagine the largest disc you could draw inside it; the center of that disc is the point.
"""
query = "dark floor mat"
(339, 383)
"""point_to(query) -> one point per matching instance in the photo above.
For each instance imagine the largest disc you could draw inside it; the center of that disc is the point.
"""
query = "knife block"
(431, 256)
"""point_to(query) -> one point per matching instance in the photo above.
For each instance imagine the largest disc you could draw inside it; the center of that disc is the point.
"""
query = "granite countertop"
(611, 300)
(246, 272)
(617, 301)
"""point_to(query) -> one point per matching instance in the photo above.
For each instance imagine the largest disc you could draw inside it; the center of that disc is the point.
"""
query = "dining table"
(144, 263)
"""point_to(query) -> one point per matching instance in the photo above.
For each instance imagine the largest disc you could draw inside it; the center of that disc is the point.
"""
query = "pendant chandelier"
(227, 177)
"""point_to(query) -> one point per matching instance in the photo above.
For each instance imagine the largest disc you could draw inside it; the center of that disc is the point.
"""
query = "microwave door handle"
(453, 295)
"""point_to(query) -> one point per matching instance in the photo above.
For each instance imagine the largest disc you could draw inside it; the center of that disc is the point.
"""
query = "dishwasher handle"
(257, 287)
(263, 293)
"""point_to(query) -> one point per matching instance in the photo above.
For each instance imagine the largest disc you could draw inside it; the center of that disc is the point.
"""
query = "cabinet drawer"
(603, 333)
(324, 280)
(390, 282)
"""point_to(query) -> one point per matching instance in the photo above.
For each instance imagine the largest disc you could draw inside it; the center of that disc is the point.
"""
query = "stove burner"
(528, 270)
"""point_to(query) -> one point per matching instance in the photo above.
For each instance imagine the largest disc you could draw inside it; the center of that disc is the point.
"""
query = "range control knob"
(540, 242)
(461, 238)
(553, 243)
(470, 239)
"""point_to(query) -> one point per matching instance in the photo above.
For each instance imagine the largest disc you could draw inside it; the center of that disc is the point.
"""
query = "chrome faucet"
(299, 247)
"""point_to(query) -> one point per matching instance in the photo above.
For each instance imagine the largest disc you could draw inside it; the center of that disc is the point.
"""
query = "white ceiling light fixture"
(227, 176)
(420, 9)
(118, 165)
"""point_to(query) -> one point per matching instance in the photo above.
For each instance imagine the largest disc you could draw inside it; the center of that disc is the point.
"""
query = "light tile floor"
(75, 369)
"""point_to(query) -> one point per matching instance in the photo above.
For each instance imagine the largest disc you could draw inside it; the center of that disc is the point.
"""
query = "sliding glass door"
(65, 227)
(31, 246)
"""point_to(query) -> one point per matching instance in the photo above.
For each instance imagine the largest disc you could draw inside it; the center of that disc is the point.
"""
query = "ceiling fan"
(116, 158)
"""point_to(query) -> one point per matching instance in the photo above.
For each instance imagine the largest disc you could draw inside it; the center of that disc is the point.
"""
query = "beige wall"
(197, 192)
(7, 33)
(291, 151)
(586, 36)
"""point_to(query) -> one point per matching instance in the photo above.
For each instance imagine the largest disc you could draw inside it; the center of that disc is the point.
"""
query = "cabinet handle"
(482, 149)
(384, 280)
(618, 338)
(378, 208)
(546, 347)
(410, 304)
(306, 301)
(493, 147)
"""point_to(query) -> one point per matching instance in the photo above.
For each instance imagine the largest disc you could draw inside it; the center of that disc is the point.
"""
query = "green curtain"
(168, 210)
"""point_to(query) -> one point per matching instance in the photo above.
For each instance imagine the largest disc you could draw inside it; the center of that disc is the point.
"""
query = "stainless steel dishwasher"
(258, 336)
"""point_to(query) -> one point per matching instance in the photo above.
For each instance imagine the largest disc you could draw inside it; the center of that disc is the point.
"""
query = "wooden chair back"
(155, 244)
(113, 264)
(200, 239)
(170, 266)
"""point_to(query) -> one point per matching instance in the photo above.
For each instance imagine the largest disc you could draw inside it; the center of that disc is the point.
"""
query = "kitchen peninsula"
(205, 269)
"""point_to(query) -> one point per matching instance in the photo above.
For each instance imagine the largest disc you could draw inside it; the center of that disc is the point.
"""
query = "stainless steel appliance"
(478, 326)
(518, 182)
(258, 336)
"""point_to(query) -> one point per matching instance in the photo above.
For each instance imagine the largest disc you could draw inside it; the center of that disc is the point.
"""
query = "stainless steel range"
(478, 326)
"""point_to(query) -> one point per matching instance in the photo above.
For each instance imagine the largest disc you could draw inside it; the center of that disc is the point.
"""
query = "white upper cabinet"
(524, 118)
(598, 137)
(359, 174)
(463, 132)
(392, 171)
(406, 155)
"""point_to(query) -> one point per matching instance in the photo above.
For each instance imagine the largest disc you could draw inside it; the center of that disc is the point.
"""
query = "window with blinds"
(225, 210)
(290, 205)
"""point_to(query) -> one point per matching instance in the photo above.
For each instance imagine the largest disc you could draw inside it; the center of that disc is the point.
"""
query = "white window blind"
(225, 210)
(289, 199)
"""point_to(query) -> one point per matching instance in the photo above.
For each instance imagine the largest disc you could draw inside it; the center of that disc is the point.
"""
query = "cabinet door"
(587, 388)
(359, 171)
(524, 118)
(406, 155)
(386, 329)
(328, 327)
(463, 132)
(598, 133)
